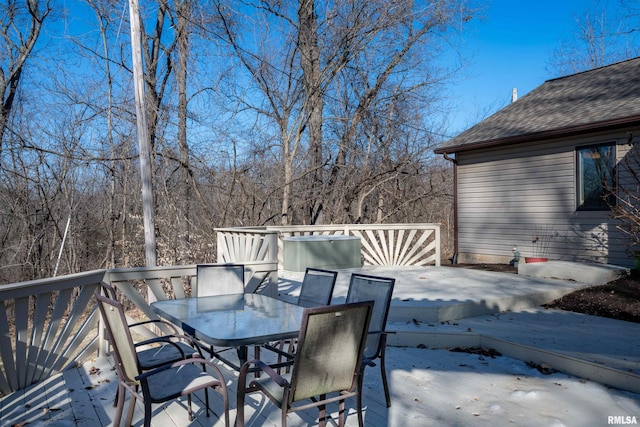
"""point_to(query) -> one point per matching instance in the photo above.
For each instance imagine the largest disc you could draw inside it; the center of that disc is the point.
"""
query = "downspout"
(446, 156)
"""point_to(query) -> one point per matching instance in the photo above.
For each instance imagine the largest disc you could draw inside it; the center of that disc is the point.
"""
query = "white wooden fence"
(382, 244)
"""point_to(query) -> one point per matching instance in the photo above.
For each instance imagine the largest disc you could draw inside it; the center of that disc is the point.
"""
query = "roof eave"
(542, 135)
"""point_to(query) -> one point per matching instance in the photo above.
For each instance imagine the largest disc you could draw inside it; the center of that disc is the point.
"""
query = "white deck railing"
(381, 244)
(45, 326)
(246, 243)
(50, 324)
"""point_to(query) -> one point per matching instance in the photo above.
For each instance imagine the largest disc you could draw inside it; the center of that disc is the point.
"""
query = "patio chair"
(316, 290)
(378, 289)
(168, 382)
(159, 350)
(317, 287)
(219, 279)
(170, 348)
(326, 364)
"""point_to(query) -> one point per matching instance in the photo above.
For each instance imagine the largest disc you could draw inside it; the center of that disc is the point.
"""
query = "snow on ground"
(445, 388)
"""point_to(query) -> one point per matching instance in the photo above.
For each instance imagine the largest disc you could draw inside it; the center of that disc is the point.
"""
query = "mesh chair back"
(317, 287)
(330, 349)
(219, 279)
(379, 290)
(120, 338)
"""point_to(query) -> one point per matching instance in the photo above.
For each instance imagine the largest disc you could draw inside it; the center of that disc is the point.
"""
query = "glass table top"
(233, 320)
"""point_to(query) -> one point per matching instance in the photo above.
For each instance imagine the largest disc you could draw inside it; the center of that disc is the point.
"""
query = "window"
(595, 176)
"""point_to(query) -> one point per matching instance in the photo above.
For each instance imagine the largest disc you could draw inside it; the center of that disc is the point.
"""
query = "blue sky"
(510, 48)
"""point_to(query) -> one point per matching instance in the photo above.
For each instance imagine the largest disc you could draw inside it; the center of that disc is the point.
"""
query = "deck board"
(83, 397)
(426, 390)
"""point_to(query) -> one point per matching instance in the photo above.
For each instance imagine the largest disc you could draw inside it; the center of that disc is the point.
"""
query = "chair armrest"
(182, 362)
(167, 339)
(263, 367)
(381, 332)
(162, 339)
(278, 348)
(164, 322)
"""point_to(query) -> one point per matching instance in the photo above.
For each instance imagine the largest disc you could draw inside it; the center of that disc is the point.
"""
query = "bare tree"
(379, 90)
(353, 57)
(625, 203)
(262, 112)
(273, 71)
(314, 103)
(102, 16)
(19, 28)
(605, 34)
(182, 12)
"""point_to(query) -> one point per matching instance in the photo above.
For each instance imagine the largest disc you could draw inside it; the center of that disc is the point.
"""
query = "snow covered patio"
(438, 308)
(428, 388)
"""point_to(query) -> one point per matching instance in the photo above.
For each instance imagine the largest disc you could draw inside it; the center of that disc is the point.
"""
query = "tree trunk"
(286, 188)
(22, 47)
(184, 188)
(310, 62)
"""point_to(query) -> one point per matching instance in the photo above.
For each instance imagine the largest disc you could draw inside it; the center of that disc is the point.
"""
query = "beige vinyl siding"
(506, 195)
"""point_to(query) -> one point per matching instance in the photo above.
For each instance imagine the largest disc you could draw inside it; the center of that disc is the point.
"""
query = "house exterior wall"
(507, 196)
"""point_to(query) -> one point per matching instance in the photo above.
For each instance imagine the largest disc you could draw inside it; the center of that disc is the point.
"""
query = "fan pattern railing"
(381, 244)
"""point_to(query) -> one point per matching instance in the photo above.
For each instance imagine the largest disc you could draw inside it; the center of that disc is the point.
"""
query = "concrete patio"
(440, 307)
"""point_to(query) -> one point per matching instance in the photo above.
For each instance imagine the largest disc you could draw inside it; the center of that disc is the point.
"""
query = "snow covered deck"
(438, 308)
(428, 388)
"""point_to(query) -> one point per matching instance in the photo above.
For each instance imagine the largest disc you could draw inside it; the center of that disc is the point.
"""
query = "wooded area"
(258, 112)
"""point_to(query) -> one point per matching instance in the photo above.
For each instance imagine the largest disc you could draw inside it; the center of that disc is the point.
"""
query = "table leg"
(242, 354)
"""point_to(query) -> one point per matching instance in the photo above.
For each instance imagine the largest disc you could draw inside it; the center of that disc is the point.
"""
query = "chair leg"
(120, 395)
(256, 355)
(206, 392)
(240, 407)
(132, 407)
(291, 350)
(285, 411)
(206, 400)
(225, 399)
(341, 411)
(115, 399)
(359, 396)
(383, 373)
(147, 413)
(322, 412)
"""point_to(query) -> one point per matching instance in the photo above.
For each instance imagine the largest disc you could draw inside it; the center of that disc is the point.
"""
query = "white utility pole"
(143, 137)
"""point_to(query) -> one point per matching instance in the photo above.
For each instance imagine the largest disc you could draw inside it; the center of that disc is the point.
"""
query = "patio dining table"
(237, 321)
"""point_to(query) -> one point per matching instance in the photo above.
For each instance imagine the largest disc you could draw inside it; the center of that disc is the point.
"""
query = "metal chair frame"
(364, 287)
(158, 385)
(326, 366)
